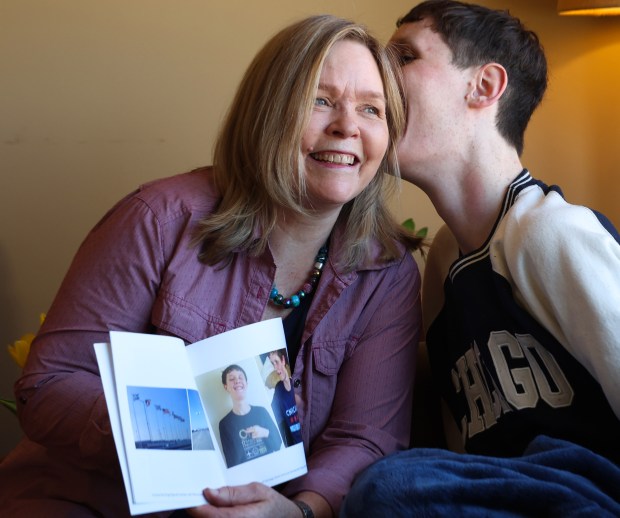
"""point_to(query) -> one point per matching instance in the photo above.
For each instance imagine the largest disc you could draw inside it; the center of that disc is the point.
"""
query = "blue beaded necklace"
(294, 300)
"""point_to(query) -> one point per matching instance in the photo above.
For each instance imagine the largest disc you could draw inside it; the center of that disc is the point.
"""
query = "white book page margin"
(104, 360)
(154, 364)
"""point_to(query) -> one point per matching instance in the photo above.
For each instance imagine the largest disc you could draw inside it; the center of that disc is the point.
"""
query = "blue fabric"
(552, 478)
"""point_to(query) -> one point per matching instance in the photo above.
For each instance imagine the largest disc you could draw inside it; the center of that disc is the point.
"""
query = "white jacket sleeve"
(565, 267)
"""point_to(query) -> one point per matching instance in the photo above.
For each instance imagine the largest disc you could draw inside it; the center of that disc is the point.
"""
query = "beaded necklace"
(294, 300)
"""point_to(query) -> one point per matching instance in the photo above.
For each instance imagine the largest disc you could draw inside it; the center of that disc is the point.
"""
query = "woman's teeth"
(334, 158)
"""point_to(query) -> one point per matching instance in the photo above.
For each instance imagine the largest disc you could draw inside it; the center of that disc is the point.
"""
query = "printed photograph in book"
(280, 385)
(238, 401)
(254, 404)
(168, 419)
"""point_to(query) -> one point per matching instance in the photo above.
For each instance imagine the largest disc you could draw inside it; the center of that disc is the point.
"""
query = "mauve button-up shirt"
(136, 271)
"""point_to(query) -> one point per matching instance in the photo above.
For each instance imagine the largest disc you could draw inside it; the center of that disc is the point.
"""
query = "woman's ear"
(489, 84)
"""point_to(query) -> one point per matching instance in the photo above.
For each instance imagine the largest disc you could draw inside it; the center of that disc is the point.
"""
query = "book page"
(250, 456)
(104, 359)
(171, 453)
(211, 414)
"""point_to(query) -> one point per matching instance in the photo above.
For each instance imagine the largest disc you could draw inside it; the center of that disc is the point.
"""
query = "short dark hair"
(231, 368)
(477, 35)
(280, 353)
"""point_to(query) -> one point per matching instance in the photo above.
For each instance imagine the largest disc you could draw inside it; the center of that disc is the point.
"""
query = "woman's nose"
(344, 124)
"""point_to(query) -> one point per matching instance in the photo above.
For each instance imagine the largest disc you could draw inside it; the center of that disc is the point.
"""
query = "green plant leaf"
(409, 224)
(9, 404)
(422, 232)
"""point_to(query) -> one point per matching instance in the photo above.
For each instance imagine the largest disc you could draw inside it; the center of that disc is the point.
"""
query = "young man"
(521, 296)
(283, 403)
(247, 432)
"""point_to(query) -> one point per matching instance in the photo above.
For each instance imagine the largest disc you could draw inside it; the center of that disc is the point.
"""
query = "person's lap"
(552, 478)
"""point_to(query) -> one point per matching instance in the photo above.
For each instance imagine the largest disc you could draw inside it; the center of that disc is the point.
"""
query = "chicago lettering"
(538, 377)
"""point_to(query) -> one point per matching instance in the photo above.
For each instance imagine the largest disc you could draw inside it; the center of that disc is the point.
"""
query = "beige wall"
(99, 96)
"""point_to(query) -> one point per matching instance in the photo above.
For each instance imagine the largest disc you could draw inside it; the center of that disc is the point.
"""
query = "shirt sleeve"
(565, 266)
(228, 445)
(371, 412)
(111, 285)
(274, 441)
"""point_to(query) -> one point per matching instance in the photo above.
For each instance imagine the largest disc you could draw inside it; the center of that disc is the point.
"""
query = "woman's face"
(347, 136)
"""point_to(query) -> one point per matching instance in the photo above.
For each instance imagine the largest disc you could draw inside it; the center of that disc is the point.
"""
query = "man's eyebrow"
(364, 94)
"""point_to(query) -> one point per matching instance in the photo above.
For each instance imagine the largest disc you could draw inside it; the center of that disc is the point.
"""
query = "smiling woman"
(347, 136)
(295, 203)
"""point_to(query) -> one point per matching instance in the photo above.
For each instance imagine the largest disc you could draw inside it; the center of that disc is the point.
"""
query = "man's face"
(278, 365)
(236, 384)
(436, 94)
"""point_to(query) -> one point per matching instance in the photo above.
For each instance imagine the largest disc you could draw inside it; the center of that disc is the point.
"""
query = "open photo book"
(204, 415)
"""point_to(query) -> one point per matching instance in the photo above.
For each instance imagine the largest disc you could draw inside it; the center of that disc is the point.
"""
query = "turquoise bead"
(295, 300)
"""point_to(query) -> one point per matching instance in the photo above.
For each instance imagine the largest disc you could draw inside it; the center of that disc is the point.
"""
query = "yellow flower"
(20, 348)
(19, 351)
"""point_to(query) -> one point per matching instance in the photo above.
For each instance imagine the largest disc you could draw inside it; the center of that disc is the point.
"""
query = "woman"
(294, 204)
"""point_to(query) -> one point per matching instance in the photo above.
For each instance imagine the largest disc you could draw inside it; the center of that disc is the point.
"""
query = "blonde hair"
(258, 166)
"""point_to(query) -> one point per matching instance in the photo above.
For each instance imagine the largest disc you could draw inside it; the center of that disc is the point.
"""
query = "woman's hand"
(252, 500)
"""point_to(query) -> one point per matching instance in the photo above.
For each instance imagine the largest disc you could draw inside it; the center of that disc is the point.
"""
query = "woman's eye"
(373, 110)
(321, 101)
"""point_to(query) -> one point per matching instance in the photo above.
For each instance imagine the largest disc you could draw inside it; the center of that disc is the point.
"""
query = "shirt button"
(297, 382)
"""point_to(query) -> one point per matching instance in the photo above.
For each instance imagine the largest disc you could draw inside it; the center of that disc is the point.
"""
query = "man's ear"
(489, 84)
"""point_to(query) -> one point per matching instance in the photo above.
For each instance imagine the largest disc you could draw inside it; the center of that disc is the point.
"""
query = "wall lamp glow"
(589, 7)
